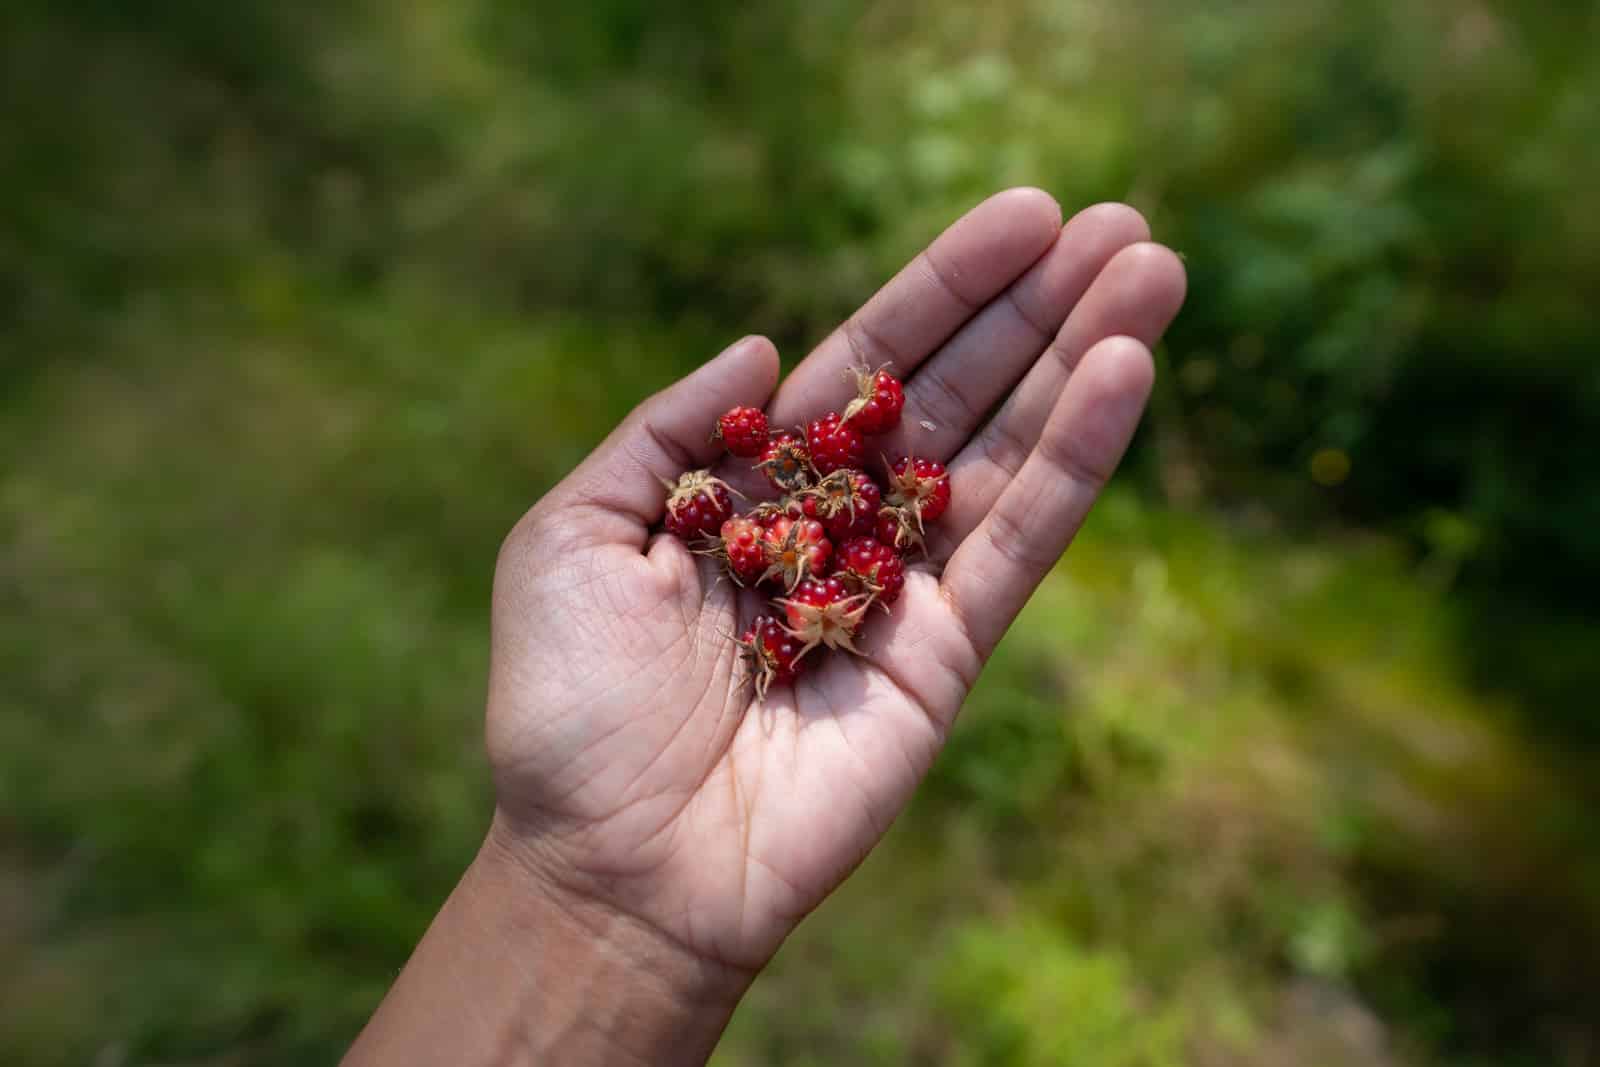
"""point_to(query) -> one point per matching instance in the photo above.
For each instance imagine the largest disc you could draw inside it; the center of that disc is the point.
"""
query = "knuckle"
(1064, 454)
(1011, 541)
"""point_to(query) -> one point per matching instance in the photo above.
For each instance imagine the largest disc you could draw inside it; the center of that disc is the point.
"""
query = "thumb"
(663, 437)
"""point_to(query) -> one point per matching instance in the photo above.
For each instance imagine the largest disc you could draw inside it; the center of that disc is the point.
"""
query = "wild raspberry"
(742, 431)
(795, 549)
(697, 505)
(823, 611)
(867, 565)
(741, 547)
(786, 463)
(897, 527)
(846, 502)
(878, 403)
(921, 486)
(834, 444)
(769, 510)
(771, 654)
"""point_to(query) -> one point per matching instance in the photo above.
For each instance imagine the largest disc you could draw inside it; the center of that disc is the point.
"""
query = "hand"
(658, 830)
(634, 768)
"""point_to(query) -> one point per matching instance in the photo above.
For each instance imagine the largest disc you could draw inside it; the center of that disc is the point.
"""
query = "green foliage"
(302, 304)
(1023, 996)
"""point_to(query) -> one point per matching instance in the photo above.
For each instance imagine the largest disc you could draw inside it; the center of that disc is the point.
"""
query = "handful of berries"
(832, 544)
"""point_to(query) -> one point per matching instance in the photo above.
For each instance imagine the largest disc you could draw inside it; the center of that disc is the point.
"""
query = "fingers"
(620, 484)
(997, 567)
(954, 391)
(1136, 295)
(964, 268)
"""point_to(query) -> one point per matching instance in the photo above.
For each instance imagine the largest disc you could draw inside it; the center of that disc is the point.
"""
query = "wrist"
(604, 980)
(517, 970)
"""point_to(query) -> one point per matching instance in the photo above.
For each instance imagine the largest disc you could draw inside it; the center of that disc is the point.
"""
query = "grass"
(1223, 795)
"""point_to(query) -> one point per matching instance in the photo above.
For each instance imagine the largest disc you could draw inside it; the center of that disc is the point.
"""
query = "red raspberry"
(769, 510)
(742, 431)
(771, 653)
(697, 505)
(823, 611)
(834, 444)
(846, 502)
(921, 486)
(867, 565)
(795, 549)
(898, 527)
(876, 409)
(742, 549)
(786, 463)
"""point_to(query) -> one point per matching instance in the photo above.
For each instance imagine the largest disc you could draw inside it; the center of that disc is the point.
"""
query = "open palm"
(632, 762)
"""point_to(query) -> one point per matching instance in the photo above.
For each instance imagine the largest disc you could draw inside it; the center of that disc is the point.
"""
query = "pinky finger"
(999, 564)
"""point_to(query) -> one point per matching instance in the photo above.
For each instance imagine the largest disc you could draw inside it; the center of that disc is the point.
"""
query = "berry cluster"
(832, 544)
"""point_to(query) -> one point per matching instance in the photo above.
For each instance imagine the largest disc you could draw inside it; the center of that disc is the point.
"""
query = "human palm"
(633, 762)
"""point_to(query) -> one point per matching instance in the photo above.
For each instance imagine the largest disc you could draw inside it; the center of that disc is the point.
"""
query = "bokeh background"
(1292, 761)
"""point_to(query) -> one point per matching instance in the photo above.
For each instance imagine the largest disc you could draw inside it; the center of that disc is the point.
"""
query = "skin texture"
(651, 814)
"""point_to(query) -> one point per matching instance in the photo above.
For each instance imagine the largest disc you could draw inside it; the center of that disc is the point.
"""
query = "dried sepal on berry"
(796, 549)
(921, 486)
(697, 505)
(880, 399)
(824, 612)
(867, 565)
(787, 463)
(771, 655)
(898, 528)
(769, 511)
(846, 502)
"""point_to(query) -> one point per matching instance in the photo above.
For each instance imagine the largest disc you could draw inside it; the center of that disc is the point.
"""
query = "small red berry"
(867, 565)
(823, 611)
(898, 527)
(742, 431)
(921, 486)
(786, 463)
(767, 511)
(795, 549)
(771, 654)
(846, 502)
(742, 549)
(879, 401)
(697, 505)
(834, 444)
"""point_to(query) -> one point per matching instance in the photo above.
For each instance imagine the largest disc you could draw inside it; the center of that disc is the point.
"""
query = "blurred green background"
(1295, 760)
